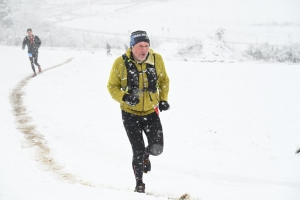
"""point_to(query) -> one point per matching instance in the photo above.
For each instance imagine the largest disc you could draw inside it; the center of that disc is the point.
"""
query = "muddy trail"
(33, 138)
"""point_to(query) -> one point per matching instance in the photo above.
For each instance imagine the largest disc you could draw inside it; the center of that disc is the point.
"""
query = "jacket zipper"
(143, 105)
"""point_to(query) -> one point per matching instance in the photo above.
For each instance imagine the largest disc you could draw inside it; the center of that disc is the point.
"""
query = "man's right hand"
(130, 99)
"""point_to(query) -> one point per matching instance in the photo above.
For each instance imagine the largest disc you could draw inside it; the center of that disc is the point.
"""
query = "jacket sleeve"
(114, 81)
(163, 79)
(24, 43)
(38, 42)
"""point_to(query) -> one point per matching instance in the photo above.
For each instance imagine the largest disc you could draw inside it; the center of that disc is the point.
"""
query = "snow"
(231, 133)
(194, 19)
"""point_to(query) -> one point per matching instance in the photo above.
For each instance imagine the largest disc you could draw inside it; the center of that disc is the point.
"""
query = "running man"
(33, 43)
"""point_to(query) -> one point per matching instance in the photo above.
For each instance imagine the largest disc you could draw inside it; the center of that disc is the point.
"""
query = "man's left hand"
(163, 105)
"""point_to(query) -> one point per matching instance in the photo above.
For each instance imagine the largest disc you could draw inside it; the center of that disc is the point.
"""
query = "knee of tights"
(155, 149)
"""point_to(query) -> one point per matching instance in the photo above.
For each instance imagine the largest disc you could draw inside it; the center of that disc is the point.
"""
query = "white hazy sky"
(253, 11)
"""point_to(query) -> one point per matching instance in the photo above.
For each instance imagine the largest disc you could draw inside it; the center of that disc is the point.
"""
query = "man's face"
(140, 51)
(29, 33)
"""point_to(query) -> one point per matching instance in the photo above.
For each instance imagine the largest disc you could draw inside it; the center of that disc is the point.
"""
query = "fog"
(232, 131)
(193, 16)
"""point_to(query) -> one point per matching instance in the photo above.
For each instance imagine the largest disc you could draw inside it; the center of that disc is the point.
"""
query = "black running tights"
(34, 60)
(135, 126)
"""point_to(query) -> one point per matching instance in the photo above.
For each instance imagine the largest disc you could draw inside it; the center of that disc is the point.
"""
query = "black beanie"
(29, 29)
(138, 36)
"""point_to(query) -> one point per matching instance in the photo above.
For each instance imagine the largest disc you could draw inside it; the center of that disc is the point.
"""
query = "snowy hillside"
(178, 24)
(231, 133)
(233, 128)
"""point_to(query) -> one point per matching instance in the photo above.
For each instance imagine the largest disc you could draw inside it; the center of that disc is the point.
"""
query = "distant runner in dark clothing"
(108, 47)
(33, 43)
(126, 47)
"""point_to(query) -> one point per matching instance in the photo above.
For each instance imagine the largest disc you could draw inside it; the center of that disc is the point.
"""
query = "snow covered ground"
(231, 133)
(185, 21)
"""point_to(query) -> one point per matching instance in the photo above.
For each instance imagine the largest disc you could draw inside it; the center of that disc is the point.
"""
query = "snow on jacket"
(148, 100)
(33, 45)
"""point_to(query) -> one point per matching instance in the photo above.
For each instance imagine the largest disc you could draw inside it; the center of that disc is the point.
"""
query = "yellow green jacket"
(117, 83)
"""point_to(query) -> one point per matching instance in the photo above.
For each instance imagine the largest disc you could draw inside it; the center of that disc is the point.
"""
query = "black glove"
(163, 105)
(131, 99)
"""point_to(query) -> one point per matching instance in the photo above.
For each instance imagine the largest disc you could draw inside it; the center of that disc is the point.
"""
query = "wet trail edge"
(33, 138)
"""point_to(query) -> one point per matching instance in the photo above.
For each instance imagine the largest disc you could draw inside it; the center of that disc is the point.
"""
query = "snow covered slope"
(244, 21)
(231, 133)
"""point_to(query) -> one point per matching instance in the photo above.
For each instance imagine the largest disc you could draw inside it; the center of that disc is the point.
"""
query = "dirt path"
(33, 138)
